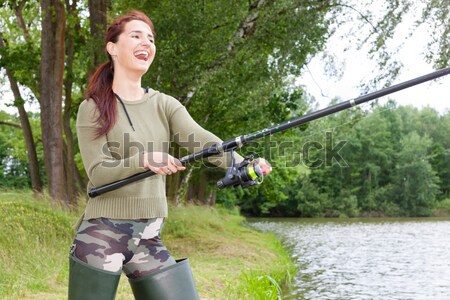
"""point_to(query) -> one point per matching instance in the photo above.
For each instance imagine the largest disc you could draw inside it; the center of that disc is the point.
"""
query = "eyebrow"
(139, 31)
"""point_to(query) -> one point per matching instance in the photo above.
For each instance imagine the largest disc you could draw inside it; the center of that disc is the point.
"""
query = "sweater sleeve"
(101, 165)
(187, 133)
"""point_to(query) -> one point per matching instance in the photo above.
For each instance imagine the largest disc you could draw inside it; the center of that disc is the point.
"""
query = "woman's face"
(134, 50)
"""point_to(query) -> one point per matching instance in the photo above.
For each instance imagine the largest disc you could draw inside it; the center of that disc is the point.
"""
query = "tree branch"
(10, 124)
(18, 7)
(363, 16)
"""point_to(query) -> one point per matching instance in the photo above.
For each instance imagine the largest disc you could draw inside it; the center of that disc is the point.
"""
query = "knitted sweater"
(157, 119)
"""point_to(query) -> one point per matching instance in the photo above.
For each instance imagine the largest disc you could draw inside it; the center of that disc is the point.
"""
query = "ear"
(111, 48)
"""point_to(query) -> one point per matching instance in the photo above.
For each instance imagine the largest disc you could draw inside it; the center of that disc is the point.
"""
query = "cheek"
(152, 53)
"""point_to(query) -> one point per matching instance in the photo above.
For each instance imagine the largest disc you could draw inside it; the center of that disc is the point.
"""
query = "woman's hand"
(265, 166)
(161, 163)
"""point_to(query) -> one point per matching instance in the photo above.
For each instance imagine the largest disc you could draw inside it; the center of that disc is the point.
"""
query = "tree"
(52, 66)
(375, 156)
(15, 169)
(417, 181)
(98, 12)
(444, 170)
(436, 14)
(379, 30)
(27, 72)
(36, 183)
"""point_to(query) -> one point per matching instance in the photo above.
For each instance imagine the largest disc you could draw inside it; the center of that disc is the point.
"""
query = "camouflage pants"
(133, 246)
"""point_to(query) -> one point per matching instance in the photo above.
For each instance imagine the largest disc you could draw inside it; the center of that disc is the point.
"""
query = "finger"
(154, 160)
(266, 167)
(159, 171)
(177, 164)
(158, 164)
(171, 168)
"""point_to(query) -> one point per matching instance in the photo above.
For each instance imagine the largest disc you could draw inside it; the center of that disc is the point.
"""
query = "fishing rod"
(247, 173)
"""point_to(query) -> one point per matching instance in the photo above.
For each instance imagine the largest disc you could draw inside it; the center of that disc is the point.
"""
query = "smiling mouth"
(141, 55)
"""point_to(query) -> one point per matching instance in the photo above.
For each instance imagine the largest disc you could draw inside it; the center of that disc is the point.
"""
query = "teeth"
(141, 53)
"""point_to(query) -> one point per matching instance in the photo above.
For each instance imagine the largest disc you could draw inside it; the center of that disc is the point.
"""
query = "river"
(366, 259)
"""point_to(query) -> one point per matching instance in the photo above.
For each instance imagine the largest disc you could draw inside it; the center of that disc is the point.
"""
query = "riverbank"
(228, 260)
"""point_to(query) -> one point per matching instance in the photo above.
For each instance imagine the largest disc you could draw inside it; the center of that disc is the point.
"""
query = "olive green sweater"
(157, 120)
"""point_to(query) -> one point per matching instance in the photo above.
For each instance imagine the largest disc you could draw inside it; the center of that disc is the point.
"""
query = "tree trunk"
(52, 72)
(180, 198)
(33, 164)
(173, 181)
(98, 22)
(80, 179)
(201, 190)
(18, 6)
(69, 157)
(212, 197)
(172, 186)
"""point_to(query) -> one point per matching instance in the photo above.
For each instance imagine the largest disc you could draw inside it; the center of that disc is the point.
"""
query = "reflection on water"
(379, 259)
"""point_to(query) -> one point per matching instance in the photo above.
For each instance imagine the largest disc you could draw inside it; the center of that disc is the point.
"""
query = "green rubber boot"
(172, 283)
(89, 283)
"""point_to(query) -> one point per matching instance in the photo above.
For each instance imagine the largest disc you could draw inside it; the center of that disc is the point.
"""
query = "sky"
(357, 68)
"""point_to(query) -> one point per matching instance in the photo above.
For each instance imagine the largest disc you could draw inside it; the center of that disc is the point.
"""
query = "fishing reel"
(245, 174)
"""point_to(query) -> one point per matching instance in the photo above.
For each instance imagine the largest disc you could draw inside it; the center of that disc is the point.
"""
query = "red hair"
(100, 83)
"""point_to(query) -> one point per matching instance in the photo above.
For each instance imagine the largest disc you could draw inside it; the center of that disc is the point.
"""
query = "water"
(370, 259)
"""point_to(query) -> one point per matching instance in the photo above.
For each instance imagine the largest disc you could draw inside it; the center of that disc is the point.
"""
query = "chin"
(141, 70)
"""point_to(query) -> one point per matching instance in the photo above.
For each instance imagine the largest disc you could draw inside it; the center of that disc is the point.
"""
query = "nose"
(146, 43)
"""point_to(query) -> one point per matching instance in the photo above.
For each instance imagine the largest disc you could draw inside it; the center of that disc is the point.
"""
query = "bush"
(442, 208)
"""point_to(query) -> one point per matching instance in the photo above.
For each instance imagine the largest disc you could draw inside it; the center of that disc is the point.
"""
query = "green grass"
(34, 242)
(228, 260)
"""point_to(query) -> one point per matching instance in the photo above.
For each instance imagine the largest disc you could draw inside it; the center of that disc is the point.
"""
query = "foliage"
(381, 29)
(443, 207)
(392, 162)
(13, 156)
(417, 181)
(435, 13)
(233, 64)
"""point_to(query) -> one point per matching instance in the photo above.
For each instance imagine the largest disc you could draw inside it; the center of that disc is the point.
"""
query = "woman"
(122, 130)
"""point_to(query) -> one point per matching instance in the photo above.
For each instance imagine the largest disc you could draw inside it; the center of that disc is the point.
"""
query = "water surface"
(367, 259)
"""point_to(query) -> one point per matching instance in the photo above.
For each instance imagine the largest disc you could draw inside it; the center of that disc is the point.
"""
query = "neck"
(127, 87)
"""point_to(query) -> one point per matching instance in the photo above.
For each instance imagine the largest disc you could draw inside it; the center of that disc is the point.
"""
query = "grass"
(228, 260)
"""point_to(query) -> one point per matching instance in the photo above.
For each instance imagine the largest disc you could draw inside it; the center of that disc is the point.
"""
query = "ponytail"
(100, 90)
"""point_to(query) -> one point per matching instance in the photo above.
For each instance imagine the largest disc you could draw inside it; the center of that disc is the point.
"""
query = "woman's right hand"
(161, 163)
